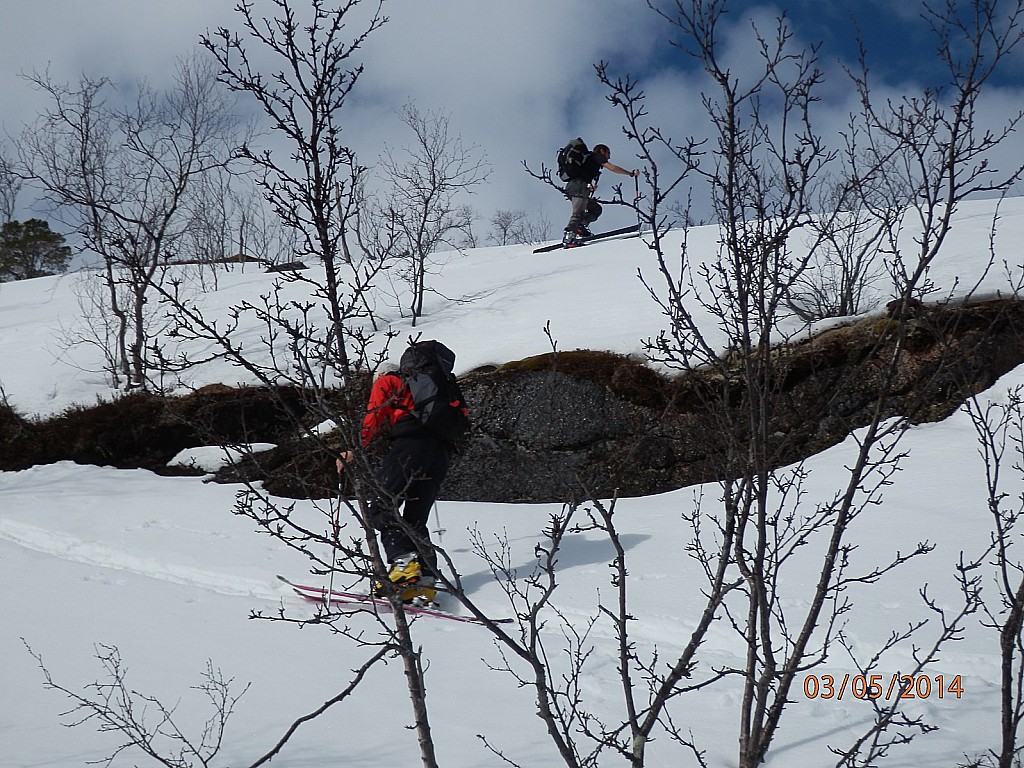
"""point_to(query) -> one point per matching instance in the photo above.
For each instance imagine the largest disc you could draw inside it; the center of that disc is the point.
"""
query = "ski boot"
(571, 239)
(413, 585)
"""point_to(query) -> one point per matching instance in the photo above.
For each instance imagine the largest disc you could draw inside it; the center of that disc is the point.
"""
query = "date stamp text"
(882, 687)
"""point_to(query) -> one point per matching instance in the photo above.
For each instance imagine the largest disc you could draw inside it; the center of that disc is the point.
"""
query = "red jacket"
(389, 400)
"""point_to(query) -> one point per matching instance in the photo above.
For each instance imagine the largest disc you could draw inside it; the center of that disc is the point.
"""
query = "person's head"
(602, 149)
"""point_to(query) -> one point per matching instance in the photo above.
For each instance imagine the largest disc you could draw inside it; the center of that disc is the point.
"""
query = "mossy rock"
(624, 376)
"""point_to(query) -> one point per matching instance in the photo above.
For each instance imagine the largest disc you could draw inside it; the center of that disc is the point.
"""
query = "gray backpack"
(439, 407)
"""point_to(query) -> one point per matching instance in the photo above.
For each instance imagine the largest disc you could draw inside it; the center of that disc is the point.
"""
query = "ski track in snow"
(92, 553)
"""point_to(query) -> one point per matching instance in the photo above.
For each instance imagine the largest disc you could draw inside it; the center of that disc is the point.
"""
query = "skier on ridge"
(583, 169)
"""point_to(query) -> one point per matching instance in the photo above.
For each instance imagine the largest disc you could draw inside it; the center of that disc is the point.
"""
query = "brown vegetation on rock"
(549, 426)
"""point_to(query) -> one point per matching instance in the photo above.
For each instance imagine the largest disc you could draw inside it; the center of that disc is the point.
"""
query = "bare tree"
(315, 191)
(669, 164)
(10, 187)
(230, 226)
(424, 182)
(145, 724)
(763, 172)
(845, 273)
(892, 727)
(544, 632)
(121, 176)
(319, 193)
(336, 537)
(762, 182)
(768, 170)
(148, 726)
(516, 227)
(319, 197)
(921, 156)
(1000, 431)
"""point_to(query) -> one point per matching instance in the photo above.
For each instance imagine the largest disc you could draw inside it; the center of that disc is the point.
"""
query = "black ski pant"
(410, 477)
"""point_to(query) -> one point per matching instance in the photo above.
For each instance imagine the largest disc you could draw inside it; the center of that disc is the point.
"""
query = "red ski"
(372, 603)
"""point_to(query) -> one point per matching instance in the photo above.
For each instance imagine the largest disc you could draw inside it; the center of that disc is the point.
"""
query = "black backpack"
(439, 408)
(571, 158)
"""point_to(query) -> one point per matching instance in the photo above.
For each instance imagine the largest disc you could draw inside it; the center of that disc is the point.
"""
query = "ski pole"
(335, 532)
(636, 201)
(437, 521)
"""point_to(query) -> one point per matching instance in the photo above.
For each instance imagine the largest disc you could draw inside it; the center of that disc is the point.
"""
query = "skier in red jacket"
(411, 471)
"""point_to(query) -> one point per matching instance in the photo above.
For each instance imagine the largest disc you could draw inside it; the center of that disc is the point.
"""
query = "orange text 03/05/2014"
(886, 687)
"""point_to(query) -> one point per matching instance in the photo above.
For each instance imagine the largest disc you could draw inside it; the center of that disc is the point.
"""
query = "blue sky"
(517, 79)
(899, 43)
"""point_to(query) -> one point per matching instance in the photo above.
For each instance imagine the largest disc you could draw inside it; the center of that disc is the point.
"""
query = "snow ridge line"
(76, 550)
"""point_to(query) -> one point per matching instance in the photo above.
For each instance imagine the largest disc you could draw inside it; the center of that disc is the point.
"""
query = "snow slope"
(160, 568)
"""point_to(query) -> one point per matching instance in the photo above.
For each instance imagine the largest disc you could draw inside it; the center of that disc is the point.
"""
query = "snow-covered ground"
(160, 568)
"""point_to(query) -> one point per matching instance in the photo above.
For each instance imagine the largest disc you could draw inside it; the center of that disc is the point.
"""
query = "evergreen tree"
(31, 249)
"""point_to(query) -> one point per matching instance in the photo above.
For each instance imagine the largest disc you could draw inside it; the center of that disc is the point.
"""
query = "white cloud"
(517, 79)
